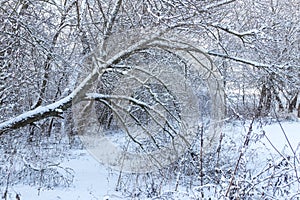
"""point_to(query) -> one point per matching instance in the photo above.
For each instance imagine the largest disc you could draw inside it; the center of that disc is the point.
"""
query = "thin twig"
(246, 143)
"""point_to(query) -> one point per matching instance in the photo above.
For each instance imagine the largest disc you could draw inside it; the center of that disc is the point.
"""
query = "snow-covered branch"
(39, 113)
(113, 17)
(55, 109)
(251, 32)
(238, 59)
(97, 96)
(218, 4)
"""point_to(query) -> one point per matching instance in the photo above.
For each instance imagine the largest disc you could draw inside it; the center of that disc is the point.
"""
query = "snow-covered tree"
(54, 53)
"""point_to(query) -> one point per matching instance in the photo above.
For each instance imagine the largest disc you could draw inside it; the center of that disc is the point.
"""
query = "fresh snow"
(91, 181)
(94, 181)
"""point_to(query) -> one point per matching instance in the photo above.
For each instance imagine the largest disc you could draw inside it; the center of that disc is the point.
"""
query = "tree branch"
(238, 59)
(55, 109)
(252, 32)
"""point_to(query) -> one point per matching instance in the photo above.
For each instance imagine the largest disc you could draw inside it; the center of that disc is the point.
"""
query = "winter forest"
(149, 99)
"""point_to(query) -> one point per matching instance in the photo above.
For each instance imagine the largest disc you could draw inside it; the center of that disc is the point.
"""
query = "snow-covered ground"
(91, 181)
(94, 181)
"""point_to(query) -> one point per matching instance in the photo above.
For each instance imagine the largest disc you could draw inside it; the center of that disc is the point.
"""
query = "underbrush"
(251, 160)
(244, 165)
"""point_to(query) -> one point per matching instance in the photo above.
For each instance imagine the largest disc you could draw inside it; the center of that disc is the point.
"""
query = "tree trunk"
(265, 101)
(293, 103)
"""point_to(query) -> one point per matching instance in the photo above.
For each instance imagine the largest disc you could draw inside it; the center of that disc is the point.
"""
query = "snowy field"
(96, 182)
